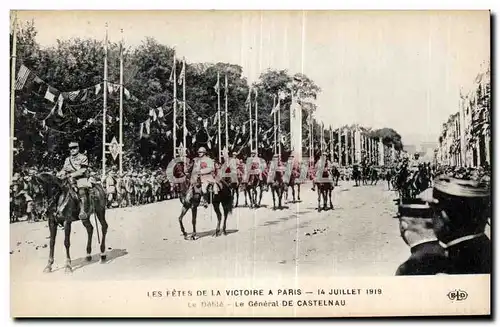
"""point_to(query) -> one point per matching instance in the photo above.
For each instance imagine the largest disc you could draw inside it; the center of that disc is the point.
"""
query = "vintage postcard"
(250, 163)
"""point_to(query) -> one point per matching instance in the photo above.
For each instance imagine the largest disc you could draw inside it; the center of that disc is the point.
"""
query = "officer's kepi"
(73, 145)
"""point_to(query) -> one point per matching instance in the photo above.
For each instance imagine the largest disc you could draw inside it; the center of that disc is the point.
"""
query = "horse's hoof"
(186, 237)
(88, 258)
(194, 237)
(103, 258)
(47, 269)
(68, 270)
(225, 233)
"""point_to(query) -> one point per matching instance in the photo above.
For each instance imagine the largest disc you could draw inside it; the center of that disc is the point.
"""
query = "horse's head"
(45, 185)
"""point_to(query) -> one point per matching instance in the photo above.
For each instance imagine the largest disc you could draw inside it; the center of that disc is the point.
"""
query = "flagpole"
(184, 144)
(274, 123)
(322, 137)
(121, 106)
(218, 117)
(174, 126)
(312, 137)
(250, 115)
(331, 143)
(340, 147)
(227, 132)
(13, 93)
(105, 100)
(279, 127)
(256, 124)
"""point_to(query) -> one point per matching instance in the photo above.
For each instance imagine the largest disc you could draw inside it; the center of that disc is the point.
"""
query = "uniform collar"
(461, 239)
(425, 240)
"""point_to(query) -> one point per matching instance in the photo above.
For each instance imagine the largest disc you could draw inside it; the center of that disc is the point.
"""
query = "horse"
(292, 183)
(278, 187)
(336, 175)
(234, 185)
(63, 209)
(190, 199)
(251, 187)
(365, 174)
(325, 190)
(356, 175)
(373, 176)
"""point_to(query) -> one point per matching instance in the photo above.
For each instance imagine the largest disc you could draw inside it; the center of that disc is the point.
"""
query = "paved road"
(360, 237)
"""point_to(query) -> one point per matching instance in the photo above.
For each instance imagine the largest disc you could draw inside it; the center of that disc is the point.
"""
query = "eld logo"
(457, 295)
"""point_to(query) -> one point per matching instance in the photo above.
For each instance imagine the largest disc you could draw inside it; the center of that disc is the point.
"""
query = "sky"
(402, 70)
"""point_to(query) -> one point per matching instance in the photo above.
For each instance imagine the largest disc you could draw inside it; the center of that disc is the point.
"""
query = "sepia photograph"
(230, 163)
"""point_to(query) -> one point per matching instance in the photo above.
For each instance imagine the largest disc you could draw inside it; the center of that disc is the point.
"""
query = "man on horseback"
(75, 167)
(204, 167)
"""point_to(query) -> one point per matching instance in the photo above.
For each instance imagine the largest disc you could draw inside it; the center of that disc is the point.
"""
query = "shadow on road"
(212, 232)
(82, 262)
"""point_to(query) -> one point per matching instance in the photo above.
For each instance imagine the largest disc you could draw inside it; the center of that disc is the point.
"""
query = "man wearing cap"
(75, 167)
(462, 210)
(416, 228)
(204, 167)
(255, 168)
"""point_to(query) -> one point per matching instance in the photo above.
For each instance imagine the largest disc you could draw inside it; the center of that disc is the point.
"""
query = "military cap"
(415, 210)
(462, 187)
(73, 144)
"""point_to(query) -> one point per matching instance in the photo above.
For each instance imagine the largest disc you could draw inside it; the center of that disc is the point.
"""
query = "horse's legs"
(237, 191)
(298, 192)
(226, 213)
(183, 213)
(53, 233)
(280, 196)
(67, 243)
(330, 195)
(261, 191)
(219, 218)
(325, 198)
(319, 197)
(273, 192)
(293, 192)
(90, 230)
(194, 213)
(101, 216)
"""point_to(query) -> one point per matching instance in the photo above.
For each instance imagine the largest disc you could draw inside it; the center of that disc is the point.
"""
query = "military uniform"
(76, 166)
(463, 206)
(203, 167)
(427, 256)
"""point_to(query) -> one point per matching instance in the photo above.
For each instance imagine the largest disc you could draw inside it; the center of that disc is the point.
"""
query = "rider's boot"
(84, 198)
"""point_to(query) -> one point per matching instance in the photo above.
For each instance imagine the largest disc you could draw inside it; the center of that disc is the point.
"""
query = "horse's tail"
(228, 199)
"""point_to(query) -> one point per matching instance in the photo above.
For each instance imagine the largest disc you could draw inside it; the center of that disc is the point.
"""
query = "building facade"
(465, 138)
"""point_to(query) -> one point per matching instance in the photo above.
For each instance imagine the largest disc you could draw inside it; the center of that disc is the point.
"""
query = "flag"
(147, 125)
(73, 95)
(205, 123)
(225, 84)
(97, 89)
(160, 112)
(50, 94)
(141, 130)
(217, 86)
(171, 78)
(127, 93)
(256, 94)
(182, 76)
(22, 76)
(59, 104)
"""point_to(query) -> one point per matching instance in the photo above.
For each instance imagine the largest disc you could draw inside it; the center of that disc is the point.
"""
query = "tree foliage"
(76, 64)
